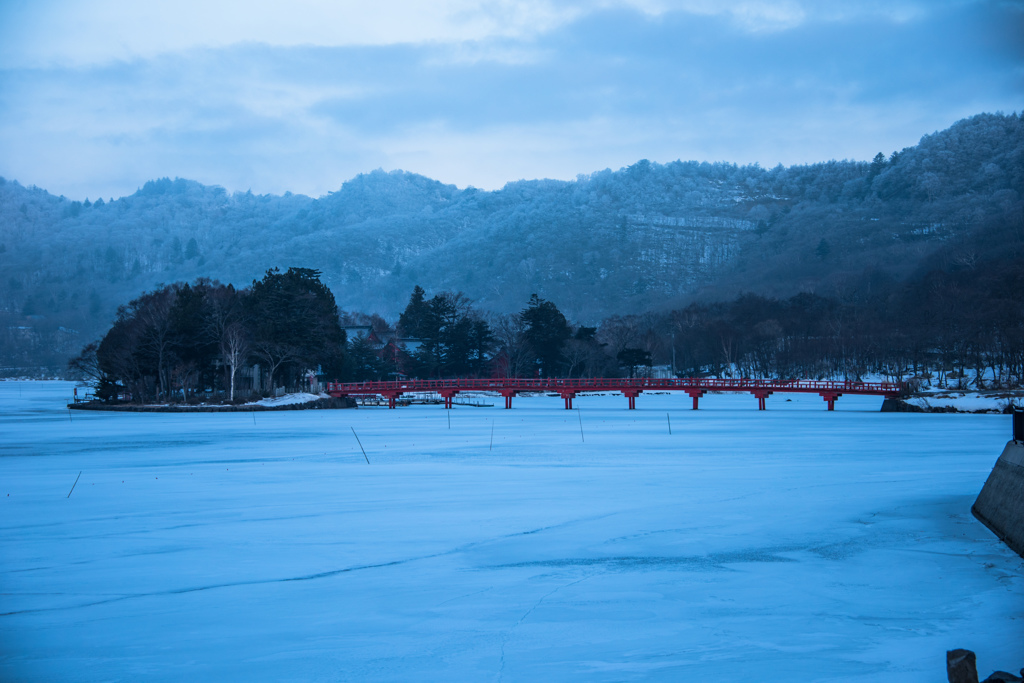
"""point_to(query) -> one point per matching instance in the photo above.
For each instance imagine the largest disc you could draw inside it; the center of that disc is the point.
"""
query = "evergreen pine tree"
(546, 331)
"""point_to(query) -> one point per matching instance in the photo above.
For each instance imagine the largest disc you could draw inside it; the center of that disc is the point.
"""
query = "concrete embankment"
(1000, 505)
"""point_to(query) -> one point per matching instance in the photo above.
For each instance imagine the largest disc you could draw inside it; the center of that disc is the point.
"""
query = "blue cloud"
(607, 89)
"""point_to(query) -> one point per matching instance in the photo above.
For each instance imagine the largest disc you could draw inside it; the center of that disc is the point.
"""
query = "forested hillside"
(650, 236)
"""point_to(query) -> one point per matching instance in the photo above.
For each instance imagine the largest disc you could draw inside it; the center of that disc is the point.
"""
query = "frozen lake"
(792, 544)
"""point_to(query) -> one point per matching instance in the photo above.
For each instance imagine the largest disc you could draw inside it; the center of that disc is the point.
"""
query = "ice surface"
(793, 544)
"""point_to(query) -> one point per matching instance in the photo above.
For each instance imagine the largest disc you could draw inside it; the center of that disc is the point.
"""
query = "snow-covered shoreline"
(298, 401)
(288, 400)
(926, 400)
(966, 401)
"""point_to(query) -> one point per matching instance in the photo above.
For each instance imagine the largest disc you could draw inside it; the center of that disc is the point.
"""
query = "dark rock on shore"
(898, 405)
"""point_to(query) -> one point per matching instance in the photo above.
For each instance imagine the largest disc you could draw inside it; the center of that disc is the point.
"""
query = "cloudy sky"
(98, 97)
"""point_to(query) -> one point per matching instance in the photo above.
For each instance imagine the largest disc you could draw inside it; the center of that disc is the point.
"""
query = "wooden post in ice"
(961, 666)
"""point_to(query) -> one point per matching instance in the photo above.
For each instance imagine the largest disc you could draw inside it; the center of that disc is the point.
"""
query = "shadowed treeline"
(956, 327)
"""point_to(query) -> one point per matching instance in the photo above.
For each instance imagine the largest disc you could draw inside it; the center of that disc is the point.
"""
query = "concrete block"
(1000, 505)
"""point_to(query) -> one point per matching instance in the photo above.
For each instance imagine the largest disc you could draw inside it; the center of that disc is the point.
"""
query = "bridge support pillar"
(508, 394)
(695, 394)
(392, 397)
(631, 394)
(830, 398)
(761, 395)
(448, 395)
(568, 396)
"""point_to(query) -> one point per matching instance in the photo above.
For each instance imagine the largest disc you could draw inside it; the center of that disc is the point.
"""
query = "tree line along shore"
(204, 341)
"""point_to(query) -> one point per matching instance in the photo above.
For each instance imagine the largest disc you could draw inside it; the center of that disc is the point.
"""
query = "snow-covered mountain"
(644, 236)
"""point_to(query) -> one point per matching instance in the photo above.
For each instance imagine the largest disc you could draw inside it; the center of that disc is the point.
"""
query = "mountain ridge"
(646, 236)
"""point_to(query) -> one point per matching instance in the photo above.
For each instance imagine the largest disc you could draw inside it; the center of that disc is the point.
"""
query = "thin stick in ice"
(75, 484)
(360, 444)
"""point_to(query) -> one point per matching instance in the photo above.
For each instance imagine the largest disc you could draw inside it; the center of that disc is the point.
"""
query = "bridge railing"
(616, 384)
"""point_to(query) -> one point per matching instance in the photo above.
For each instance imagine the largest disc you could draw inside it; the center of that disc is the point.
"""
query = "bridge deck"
(695, 387)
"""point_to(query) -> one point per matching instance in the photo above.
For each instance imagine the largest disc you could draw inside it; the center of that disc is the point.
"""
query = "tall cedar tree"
(455, 340)
(546, 331)
(295, 326)
(415, 321)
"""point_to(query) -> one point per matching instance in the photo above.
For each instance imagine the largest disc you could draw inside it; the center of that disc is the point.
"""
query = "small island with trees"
(206, 342)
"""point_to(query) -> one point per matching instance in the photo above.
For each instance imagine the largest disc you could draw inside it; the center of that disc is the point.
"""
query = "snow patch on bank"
(966, 402)
(287, 400)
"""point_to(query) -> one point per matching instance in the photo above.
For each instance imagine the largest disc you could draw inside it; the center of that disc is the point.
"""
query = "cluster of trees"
(958, 326)
(446, 336)
(954, 327)
(184, 339)
(455, 341)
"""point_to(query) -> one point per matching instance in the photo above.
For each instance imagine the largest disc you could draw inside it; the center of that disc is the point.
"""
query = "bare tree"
(225, 307)
(510, 333)
(234, 347)
(226, 324)
(619, 332)
(86, 364)
(275, 354)
(576, 354)
(186, 376)
(154, 312)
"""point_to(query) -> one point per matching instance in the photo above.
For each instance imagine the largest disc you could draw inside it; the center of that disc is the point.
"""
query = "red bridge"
(630, 388)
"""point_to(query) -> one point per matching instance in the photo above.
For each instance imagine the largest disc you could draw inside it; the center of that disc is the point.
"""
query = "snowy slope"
(965, 402)
(791, 544)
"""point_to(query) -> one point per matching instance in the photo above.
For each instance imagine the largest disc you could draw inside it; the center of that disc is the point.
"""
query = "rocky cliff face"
(679, 254)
